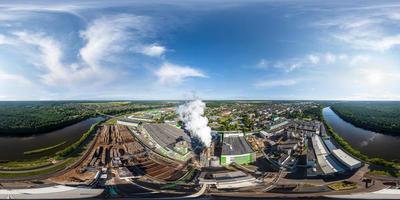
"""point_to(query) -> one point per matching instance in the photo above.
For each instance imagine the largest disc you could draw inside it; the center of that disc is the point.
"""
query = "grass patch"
(344, 185)
(384, 173)
(349, 149)
(52, 169)
(67, 151)
(25, 165)
(188, 176)
(73, 152)
(41, 150)
(112, 121)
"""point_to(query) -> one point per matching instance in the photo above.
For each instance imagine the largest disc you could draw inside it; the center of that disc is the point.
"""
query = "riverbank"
(380, 117)
(48, 165)
(382, 166)
(30, 131)
(41, 150)
(18, 146)
(28, 118)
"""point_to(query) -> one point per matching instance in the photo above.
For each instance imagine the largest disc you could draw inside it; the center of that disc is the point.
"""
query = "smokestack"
(192, 115)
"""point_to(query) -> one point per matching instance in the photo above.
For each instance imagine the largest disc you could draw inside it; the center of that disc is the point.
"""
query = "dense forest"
(24, 118)
(382, 117)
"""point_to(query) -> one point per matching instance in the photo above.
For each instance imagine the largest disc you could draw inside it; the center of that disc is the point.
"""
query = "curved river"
(369, 143)
(13, 148)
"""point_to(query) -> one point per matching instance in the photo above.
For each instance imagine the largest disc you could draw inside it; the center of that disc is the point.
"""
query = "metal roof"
(322, 154)
(235, 145)
(164, 134)
(345, 158)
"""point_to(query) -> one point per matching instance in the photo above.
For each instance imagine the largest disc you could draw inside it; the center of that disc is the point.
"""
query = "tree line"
(382, 117)
(26, 118)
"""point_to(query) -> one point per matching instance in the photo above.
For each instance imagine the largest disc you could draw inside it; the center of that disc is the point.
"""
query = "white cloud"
(104, 39)
(5, 40)
(359, 59)
(171, 73)
(153, 50)
(320, 59)
(372, 30)
(107, 35)
(4, 77)
(314, 59)
(372, 41)
(2, 39)
(49, 57)
(16, 87)
(276, 83)
(54, 72)
(106, 42)
(289, 64)
(330, 58)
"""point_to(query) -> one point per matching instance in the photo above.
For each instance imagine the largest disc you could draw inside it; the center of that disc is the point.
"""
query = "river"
(13, 148)
(367, 142)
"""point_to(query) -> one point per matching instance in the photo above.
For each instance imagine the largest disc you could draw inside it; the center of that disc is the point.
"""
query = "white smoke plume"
(192, 114)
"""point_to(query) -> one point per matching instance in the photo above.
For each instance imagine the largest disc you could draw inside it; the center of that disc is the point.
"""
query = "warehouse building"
(328, 165)
(347, 160)
(235, 149)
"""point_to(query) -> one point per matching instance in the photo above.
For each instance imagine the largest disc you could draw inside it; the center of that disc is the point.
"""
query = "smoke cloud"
(192, 114)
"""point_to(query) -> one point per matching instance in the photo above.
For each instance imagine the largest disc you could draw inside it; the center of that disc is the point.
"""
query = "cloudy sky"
(61, 50)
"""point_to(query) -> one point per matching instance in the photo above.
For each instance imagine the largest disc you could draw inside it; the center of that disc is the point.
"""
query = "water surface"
(370, 143)
(13, 148)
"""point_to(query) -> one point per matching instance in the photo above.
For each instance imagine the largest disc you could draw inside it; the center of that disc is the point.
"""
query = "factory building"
(235, 149)
(328, 165)
(168, 140)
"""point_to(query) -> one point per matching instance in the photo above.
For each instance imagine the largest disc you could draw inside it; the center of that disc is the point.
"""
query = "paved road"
(381, 194)
(52, 192)
(199, 193)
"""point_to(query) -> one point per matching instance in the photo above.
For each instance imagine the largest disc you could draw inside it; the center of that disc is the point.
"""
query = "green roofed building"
(236, 149)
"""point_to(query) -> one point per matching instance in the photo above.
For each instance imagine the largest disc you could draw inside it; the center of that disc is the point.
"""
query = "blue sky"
(61, 50)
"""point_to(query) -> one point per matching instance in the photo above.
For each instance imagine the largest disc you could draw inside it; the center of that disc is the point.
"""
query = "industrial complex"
(139, 155)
